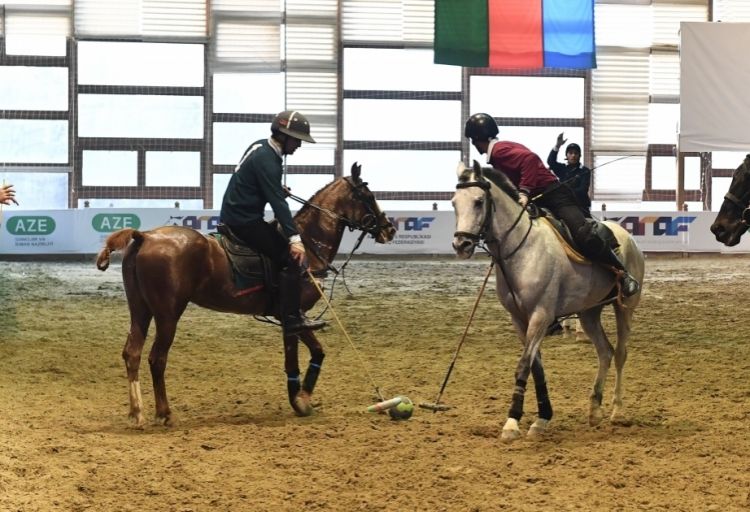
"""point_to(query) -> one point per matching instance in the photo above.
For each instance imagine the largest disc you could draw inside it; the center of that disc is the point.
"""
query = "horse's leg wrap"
(540, 385)
(516, 406)
(312, 373)
(293, 385)
(597, 396)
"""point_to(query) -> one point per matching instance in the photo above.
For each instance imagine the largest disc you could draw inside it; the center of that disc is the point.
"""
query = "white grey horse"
(537, 282)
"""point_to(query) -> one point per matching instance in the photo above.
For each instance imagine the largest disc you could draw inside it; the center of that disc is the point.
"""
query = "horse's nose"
(717, 229)
(462, 245)
(388, 233)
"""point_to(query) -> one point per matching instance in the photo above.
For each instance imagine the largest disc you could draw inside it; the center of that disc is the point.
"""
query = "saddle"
(568, 242)
(251, 271)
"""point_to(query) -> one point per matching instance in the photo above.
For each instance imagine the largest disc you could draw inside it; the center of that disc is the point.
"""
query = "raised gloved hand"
(560, 141)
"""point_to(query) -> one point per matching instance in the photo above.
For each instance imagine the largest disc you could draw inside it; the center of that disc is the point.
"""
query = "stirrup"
(629, 285)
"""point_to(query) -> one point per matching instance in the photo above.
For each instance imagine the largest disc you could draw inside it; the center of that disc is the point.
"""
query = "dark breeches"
(265, 239)
(562, 203)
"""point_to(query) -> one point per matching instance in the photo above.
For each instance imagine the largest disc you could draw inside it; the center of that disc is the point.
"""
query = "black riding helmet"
(293, 124)
(573, 147)
(481, 127)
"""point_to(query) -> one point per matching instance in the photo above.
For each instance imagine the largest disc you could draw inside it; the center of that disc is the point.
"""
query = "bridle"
(485, 231)
(742, 202)
(371, 222)
(489, 208)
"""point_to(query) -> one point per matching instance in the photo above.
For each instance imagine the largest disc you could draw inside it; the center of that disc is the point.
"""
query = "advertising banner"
(83, 231)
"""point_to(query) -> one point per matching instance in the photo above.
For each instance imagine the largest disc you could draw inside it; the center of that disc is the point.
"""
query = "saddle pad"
(247, 266)
(573, 255)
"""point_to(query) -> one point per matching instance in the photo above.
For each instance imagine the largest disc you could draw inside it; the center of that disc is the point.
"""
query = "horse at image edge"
(734, 215)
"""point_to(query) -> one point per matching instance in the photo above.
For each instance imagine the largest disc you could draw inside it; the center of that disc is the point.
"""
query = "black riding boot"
(292, 319)
(630, 285)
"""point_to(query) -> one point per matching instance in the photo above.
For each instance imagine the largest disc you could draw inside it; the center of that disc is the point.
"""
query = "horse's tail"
(117, 241)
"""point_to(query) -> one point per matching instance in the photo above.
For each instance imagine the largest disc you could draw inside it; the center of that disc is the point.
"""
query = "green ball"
(402, 411)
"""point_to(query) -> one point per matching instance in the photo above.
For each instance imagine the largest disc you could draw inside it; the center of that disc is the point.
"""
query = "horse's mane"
(500, 179)
(745, 165)
(306, 206)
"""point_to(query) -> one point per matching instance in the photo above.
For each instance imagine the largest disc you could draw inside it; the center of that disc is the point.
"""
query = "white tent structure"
(714, 87)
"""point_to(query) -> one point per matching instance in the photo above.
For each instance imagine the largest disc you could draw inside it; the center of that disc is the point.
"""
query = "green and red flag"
(515, 34)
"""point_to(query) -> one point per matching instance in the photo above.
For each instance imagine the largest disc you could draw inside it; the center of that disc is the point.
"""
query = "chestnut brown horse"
(166, 268)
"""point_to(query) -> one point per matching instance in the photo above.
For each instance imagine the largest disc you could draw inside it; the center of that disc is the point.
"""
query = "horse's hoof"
(618, 418)
(511, 431)
(510, 435)
(164, 421)
(595, 416)
(538, 428)
(138, 420)
(302, 404)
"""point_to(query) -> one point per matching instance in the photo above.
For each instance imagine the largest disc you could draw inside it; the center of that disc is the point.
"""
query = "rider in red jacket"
(526, 170)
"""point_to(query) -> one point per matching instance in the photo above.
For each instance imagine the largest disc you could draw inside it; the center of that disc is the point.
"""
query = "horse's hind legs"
(157, 360)
(593, 327)
(131, 354)
(621, 355)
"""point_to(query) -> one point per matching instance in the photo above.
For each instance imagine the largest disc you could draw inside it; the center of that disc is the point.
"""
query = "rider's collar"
(489, 149)
(275, 146)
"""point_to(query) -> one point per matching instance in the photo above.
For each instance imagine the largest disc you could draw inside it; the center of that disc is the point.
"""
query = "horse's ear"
(477, 169)
(356, 171)
(460, 170)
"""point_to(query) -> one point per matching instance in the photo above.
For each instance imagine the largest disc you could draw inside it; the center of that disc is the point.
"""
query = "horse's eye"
(479, 203)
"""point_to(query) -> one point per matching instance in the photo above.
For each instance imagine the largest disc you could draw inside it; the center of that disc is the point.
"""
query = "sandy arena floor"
(66, 443)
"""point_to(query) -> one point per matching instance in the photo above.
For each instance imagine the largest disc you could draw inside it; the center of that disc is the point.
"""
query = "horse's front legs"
(300, 391)
(316, 361)
(529, 359)
(542, 398)
(510, 429)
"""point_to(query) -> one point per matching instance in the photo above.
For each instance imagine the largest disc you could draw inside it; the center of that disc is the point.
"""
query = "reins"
(482, 237)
